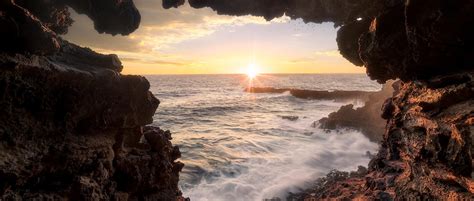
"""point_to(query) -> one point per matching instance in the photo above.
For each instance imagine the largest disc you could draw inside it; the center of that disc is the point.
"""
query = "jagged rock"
(52, 15)
(337, 11)
(172, 3)
(312, 94)
(109, 16)
(430, 134)
(386, 34)
(426, 151)
(68, 128)
(329, 187)
(71, 127)
(368, 119)
(348, 40)
(85, 58)
(31, 26)
(290, 118)
(22, 32)
(150, 174)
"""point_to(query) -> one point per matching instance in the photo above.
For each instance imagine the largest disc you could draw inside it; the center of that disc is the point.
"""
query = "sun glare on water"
(252, 71)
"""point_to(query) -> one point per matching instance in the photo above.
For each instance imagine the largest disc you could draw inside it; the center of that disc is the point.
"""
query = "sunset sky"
(190, 41)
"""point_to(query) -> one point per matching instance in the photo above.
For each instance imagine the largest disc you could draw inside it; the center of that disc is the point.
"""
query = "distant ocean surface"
(238, 146)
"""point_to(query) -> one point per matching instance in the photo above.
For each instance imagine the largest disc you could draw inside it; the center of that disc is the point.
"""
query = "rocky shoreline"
(367, 119)
(70, 121)
(313, 94)
(72, 127)
(426, 150)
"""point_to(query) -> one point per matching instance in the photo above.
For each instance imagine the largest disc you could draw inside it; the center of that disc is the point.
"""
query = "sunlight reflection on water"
(237, 146)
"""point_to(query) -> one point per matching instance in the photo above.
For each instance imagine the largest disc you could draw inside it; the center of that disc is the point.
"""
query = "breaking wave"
(242, 146)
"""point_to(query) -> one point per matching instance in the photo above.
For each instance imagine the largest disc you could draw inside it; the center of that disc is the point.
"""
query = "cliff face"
(428, 140)
(71, 126)
(426, 150)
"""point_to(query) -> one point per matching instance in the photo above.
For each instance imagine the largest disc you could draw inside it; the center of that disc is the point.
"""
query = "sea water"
(242, 146)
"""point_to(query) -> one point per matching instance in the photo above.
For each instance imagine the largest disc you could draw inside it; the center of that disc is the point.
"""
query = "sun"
(252, 71)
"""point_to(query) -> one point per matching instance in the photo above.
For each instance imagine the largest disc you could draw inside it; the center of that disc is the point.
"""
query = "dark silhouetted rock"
(318, 11)
(368, 119)
(53, 15)
(172, 3)
(71, 126)
(22, 32)
(109, 16)
(311, 94)
(31, 26)
(290, 118)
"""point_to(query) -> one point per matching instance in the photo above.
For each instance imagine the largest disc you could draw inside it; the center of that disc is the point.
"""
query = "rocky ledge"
(314, 94)
(426, 151)
(71, 126)
(72, 129)
(367, 119)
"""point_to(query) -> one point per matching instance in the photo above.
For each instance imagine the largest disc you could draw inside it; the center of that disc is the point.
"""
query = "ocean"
(242, 146)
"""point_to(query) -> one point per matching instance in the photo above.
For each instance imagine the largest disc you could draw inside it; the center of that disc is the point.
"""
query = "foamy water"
(238, 146)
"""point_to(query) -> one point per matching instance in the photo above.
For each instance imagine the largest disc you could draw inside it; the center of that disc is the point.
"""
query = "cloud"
(189, 24)
(297, 35)
(328, 53)
(159, 31)
(153, 61)
(325, 55)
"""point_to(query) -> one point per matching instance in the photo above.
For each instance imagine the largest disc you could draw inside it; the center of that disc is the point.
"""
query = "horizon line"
(348, 73)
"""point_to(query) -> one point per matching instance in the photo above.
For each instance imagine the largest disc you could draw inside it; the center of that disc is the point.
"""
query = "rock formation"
(329, 186)
(426, 151)
(71, 126)
(427, 148)
(368, 119)
(312, 94)
(71, 122)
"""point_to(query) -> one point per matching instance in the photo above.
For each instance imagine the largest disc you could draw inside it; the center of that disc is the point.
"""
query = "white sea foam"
(289, 167)
(236, 146)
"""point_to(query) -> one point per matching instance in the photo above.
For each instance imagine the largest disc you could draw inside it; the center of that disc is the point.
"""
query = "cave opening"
(79, 120)
(236, 145)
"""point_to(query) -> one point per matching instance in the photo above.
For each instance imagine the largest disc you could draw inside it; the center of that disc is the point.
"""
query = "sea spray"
(237, 146)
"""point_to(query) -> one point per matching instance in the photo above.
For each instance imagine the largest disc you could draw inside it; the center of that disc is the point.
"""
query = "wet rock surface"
(312, 94)
(368, 119)
(326, 187)
(426, 150)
